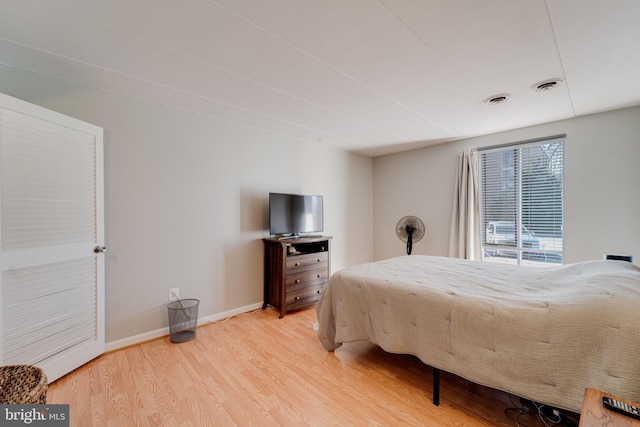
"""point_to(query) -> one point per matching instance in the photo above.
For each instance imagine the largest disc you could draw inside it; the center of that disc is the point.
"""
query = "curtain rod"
(528, 141)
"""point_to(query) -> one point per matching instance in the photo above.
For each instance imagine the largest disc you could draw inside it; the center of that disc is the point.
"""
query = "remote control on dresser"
(621, 407)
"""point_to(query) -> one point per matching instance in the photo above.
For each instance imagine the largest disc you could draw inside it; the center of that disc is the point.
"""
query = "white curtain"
(464, 237)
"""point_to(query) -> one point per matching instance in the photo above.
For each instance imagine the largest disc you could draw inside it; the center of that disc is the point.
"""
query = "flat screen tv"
(292, 214)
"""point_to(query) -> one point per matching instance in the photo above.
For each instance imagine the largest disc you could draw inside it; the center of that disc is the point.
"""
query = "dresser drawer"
(304, 296)
(305, 278)
(305, 262)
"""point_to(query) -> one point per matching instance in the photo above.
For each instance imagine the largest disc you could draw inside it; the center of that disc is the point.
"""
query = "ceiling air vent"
(497, 99)
(546, 85)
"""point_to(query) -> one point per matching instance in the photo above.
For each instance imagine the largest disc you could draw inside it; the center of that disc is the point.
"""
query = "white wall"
(186, 196)
(602, 187)
(186, 200)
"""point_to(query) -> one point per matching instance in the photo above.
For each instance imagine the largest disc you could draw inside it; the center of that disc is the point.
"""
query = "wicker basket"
(23, 384)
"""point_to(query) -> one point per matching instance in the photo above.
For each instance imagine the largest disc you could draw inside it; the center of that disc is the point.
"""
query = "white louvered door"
(51, 237)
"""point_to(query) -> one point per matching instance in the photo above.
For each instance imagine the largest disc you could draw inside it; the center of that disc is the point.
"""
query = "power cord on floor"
(246, 313)
(548, 416)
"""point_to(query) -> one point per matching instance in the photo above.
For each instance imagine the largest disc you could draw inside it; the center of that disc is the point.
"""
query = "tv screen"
(293, 214)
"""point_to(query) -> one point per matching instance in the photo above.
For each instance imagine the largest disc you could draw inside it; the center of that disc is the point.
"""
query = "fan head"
(410, 229)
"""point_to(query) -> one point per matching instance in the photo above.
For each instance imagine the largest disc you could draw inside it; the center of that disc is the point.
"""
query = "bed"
(544, 334)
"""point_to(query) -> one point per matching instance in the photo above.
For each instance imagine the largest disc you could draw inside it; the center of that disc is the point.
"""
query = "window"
(521, 202)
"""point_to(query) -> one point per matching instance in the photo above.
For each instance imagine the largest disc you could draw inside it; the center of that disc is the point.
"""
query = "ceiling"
(368, 76)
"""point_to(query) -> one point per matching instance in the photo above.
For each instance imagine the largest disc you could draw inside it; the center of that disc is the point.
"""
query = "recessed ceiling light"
(497, 99)
(546, 85)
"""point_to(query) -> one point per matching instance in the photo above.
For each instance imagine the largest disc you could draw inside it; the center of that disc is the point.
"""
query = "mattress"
(544, 334)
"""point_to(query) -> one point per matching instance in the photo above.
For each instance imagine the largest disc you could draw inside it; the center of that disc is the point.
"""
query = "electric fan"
(410, 229)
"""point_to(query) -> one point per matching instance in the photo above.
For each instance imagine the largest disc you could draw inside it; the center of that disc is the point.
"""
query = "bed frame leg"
(436, 386)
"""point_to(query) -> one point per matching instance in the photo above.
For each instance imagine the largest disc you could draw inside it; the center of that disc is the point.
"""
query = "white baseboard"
(147, 336)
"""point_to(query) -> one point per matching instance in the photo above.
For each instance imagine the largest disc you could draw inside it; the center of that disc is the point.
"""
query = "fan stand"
(410, 229)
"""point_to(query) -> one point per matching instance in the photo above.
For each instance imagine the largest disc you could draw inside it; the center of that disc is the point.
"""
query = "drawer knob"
(319, 276)
(318, 260)
(297, 264)
(297, 281)
(319, 291)
(297, 298)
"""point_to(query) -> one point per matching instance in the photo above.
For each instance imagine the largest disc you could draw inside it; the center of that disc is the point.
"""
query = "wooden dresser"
(296, 272)
(595, 414)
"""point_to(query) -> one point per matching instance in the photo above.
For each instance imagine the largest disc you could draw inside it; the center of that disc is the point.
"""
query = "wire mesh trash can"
(183, 319)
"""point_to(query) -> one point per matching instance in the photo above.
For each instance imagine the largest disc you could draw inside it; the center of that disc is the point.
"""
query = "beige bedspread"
(540, 333)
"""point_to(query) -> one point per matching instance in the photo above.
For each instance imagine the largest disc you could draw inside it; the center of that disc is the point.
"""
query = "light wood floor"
(258, 370)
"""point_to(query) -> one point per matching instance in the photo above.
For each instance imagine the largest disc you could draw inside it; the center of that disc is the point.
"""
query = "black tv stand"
(298, 236)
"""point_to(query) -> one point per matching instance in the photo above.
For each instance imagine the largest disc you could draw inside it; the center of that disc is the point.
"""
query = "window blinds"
(521, 196)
